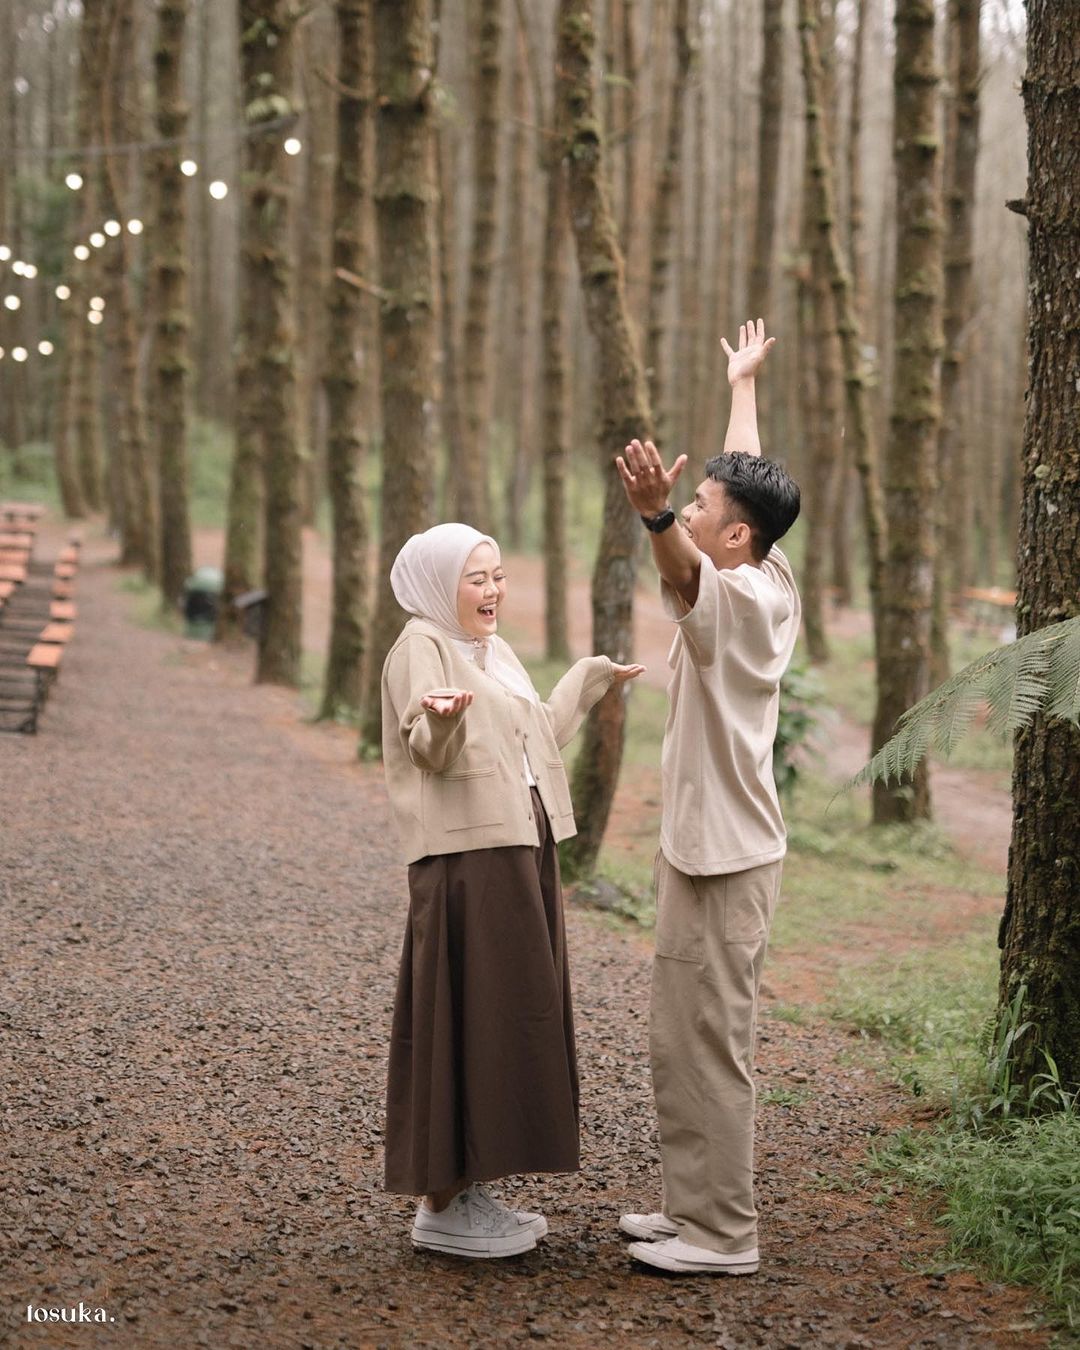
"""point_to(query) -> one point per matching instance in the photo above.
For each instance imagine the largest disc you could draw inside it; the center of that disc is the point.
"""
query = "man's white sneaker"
(685, 1259)
(475, 1224)
(651, 1227)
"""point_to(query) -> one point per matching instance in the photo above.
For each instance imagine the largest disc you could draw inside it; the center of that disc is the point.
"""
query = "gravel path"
(203, 915)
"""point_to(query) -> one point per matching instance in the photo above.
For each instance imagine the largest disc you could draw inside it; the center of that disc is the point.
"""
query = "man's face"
(709, 521)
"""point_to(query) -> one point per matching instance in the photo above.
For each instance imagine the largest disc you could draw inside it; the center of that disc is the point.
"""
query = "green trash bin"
(202, 595)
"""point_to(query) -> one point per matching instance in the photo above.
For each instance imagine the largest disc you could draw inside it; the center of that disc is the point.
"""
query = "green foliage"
(802, 697)
(1037, 673)
(1011, 1197)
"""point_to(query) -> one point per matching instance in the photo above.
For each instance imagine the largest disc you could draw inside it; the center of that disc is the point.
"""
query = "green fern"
(1039, 672)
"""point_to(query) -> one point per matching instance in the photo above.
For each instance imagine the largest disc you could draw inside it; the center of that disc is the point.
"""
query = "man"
(722, 838)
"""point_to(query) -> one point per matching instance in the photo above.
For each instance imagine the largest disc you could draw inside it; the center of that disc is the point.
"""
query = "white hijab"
(425, 579)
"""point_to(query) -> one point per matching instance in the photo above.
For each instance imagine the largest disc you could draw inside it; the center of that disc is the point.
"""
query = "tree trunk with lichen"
(768, 174)
(554, 413)
(348, 437)
(470, 482)
(623, 405)
(665, 200)
(404, 200)
(266, 57)
(1040, 929)
(172, 355)
(961, 155)
(858, 419)
(911, 482)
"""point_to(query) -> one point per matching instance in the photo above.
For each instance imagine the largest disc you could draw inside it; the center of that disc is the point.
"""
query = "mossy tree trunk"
(770, 126)
(348, 436)
(665, 202)
(86, 356)
(470, 480)
(266, 56)
(172, 352)
(404, 203)
(554, 410)
(1040, 929)
(623, 400)
(858, 418)
(911, 479)
(961, 156)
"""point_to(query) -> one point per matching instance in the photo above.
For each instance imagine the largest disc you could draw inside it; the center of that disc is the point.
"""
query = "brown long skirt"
(483, 1072)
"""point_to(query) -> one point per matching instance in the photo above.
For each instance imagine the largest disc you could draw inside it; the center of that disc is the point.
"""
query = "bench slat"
(44, 656)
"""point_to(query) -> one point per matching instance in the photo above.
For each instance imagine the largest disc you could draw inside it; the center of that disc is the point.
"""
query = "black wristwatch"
(660, 522)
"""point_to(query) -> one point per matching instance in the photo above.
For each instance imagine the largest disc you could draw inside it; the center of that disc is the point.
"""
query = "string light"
(218, 189)
(19, 353)
(29, 271)
(12, 302)
(81, 252)
(63, 292)
(1, 353)
(95, 316)
(97, 303)
(18, 267)
(135, 227)
(188, 168)
(97, 239)
(293, 146)
(45, 347)
(112, 228)
(5, 253)
(74, 181)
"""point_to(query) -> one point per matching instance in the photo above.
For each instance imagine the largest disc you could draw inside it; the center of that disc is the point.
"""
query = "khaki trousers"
(711, 935)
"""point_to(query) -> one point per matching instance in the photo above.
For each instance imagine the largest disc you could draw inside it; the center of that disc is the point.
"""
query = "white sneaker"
(685, 1259)
(474, 1224)
(651, 1227)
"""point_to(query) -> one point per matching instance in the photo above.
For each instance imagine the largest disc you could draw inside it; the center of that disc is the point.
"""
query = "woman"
(483, 1075)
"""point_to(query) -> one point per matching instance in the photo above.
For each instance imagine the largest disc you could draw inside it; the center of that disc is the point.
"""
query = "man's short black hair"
(762, 494)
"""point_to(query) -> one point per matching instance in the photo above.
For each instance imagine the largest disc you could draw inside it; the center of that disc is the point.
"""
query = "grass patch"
(1011, 1197)
(147, 610)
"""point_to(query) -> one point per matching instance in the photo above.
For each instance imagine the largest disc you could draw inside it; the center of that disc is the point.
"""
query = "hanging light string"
(109, 229)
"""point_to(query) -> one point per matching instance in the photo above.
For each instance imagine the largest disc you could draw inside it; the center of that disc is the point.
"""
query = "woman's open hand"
(447, 702)
(621, 674)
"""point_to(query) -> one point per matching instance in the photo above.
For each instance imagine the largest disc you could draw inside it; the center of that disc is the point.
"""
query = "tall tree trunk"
(859, 427)
(405, 126)
(1040, 929)
(554, 413)
(471, 476)
(911, 461)
(172, 358)
(631, 140)
(517, 294)
(129, 473)
(961, 155)
(824, 434)
(769, 130)
(665, 200)
(86, 374)
(266, 56)
(624, 413)
(349, 420)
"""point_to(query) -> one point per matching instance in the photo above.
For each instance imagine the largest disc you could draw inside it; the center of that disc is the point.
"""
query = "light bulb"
(18, 353)
(82, 252)
(112, 228)
(74, 181)
(45, 347)
(218, 189)
(293, 146)
(63, 292)
(188, 168)
(97, 239)
(135, 227)
(12, 302)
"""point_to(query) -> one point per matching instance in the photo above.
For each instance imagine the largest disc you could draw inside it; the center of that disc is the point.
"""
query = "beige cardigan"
(458, 783)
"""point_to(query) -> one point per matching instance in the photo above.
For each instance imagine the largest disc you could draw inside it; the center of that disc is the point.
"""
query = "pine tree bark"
(348, 436)
(859, 426)
(1040, 929)
(961, 155)
(665, 201)
(172, 353)
(554, 413)
(266, 54)
(471, 475)
(911, 459)
(624, 413)
(86, 364)
(769, 129)
(404, 194)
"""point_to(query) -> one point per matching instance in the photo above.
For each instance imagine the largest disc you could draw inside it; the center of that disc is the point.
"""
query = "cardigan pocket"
(556, 773)
(470, 799)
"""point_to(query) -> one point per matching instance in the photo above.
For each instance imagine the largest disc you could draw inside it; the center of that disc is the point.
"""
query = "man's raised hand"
(753, 348)
(646, 482)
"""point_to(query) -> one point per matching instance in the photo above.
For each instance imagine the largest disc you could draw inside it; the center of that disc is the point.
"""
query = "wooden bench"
(15, 572)
(44, 660)
(62, 590)
(6, 587)
(65, 571)
(62, 611)
(56, 632)
(16, 539)
(69, 555)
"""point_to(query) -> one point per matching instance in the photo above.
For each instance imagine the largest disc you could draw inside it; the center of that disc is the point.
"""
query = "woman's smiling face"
(481, 591)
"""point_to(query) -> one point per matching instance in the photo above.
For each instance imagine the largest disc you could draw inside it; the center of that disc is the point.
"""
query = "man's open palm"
(753, 348)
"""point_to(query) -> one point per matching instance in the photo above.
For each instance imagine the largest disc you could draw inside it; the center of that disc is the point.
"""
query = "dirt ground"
(203, 915)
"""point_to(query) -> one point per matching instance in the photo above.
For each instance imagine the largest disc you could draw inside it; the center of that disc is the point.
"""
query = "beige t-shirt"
(720, 811)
